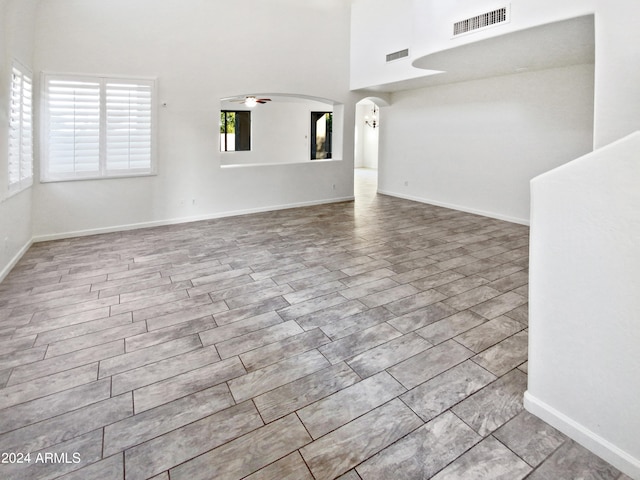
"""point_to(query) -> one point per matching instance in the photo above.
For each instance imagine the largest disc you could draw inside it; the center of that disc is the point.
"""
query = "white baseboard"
(521, 221)
(585, 437)
(175, 221)
(16, 258)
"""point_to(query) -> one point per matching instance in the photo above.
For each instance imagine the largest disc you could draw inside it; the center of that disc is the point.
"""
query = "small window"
(20, 130)
(235, 131)
(321, 133)
(96, 127)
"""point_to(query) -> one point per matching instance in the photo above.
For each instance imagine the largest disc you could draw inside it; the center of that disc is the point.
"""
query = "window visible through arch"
(321, 135)
(280, 130)
(235, 131)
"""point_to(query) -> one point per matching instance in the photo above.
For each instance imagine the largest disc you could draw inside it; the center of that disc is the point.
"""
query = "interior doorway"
(366, 134)
(367, 142)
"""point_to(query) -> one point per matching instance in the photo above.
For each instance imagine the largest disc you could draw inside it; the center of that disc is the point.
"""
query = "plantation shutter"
(26, 136)
(128, 118)
(73, 127)
(15, 128)
(20, 131)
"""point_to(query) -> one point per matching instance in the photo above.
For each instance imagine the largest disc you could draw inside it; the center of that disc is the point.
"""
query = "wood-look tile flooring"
(376, 339)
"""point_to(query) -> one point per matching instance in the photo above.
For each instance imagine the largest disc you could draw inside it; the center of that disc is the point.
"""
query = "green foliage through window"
(227, 122)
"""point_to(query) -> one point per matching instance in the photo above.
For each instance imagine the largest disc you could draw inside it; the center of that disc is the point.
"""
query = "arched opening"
(268, 128)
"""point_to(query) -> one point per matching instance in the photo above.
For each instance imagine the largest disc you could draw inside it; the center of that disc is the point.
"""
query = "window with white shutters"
(73, 128)
(128, 128)
(97, 127)
(20, 130)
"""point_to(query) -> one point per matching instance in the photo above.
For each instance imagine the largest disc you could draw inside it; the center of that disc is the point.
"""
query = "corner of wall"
(590, 440)
(6, 269)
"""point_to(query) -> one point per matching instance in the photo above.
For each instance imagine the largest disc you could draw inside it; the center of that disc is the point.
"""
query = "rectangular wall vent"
(481, 21)
(396, 55)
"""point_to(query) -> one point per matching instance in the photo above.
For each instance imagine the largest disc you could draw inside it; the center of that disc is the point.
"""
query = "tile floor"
(381, 339)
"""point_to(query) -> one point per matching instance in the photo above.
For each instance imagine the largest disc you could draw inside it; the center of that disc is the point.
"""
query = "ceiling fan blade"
(248, 98)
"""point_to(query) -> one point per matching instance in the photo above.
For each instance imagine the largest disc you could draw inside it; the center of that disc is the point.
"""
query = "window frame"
(328, 137)
(25, 178)
(224, 147)
(102, 171)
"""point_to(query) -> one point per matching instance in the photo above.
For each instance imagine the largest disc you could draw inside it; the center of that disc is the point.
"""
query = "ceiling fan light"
(250, 101)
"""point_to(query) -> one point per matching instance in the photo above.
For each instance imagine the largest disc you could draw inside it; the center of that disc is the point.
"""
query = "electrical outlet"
(406, 183)
(334, 186)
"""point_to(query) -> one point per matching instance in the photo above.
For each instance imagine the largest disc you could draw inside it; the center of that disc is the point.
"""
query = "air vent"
(396, 55)
(481, 21)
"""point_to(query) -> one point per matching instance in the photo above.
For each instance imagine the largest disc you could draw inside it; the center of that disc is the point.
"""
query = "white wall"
(362, 107)
(476, 145)
(433, 27)
(16, 42)
(200, 51)
(424, 27)
(617, 106)
(584, 360)
(380, 27)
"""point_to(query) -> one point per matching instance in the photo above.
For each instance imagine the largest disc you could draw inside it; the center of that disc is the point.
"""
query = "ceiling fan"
(252, 101)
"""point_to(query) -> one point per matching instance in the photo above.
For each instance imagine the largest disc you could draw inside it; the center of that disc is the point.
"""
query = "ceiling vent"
(397, 55)
(489, 19)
